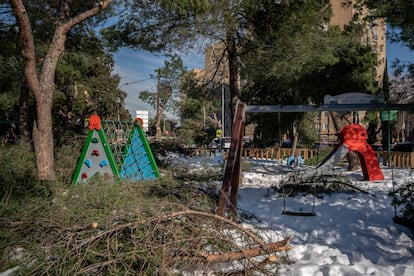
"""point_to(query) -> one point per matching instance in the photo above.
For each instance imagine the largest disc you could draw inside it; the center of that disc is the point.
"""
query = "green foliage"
(198, 108)
(168, 92)
(67, 157)
(404, 197)
(293, 58)
(18, 172)
(320, 155)
(71, 228)
(11, 73)
(307, 131)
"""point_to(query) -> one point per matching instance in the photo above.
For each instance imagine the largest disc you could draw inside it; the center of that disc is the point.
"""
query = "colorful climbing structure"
(354, 138)
(138, 161)
(116, 149)
(96, 157)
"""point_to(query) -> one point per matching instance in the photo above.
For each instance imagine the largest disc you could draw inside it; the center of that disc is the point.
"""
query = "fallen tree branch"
(249, 253)
(238, 226)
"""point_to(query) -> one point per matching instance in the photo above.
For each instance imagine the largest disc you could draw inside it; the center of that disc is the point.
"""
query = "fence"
(399, 159)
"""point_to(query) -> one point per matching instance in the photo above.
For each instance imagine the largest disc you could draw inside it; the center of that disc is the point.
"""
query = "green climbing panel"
(96, 157)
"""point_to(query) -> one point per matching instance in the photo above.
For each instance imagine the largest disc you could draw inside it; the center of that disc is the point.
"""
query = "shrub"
(404, 197)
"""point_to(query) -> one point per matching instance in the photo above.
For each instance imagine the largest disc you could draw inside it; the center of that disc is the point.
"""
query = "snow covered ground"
(351, 234)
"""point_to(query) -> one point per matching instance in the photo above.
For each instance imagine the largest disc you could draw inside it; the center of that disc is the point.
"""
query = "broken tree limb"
(214, 216)
(249, 253)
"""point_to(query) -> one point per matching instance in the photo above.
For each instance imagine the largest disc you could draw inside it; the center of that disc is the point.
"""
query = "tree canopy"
(399, 15)
(295, 57)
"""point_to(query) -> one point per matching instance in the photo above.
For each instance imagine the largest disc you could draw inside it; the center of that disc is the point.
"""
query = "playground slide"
(333, 158)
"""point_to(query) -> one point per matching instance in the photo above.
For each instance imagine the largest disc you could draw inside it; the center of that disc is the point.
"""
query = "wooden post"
(235, 182)
(232, 170)
(412, 160)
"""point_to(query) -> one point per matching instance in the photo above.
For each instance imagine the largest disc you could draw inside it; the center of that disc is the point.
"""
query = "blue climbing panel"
(139, 163)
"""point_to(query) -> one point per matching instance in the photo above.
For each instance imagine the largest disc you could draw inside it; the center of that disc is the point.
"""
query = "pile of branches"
(316, 182)
(184, 241)
(404, 196)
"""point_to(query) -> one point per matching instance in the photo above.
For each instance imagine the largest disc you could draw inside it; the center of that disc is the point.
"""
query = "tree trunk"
(158, 134)
(233, 76)
(250, 252)
(295, 141)
(43, 141)
(43, 86)
(340, 120)
(353, 161)
(24, 118)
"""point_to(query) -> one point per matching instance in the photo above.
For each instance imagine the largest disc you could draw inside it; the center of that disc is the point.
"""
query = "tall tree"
(168, 89)
(85, 85)
(163, 25)
(199, 106)
(66, 15)
(293, 57)
(399, 15)
(297, 58)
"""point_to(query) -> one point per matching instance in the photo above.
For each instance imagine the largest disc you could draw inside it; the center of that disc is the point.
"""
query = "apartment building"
(343, 12)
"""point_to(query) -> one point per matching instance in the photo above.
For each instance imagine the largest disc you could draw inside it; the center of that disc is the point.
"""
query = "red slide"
(354, 138)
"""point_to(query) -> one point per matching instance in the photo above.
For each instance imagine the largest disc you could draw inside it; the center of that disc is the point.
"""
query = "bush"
(404, 197)
(103, 227)
(18, 171)
(318, 158)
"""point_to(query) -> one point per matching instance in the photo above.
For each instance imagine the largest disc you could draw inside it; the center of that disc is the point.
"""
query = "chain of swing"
(286, 194)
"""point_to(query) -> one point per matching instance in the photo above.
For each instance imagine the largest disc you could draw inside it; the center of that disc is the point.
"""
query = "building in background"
(343, 13)
(216, 72)
(144, 116)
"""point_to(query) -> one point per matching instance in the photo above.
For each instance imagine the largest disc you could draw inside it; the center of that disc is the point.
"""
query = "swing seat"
(298, 214)
(403, 221)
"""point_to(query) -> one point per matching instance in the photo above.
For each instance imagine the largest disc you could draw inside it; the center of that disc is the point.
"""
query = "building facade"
(343, 13)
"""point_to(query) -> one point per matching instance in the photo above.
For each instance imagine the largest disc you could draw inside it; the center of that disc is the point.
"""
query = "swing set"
(295, 161)
(232, 173)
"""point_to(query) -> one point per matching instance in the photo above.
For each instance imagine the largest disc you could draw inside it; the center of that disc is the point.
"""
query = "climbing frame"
(96, 157)
(131, 150)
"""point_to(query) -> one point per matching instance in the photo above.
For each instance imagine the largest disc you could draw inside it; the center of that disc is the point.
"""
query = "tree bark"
(249, 253)
(24, 117)
(158, 134)
(233, 76)
(340, 120)
(42, 85)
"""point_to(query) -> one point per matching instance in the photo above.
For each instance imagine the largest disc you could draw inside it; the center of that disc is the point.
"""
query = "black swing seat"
(403, 221)
(298, 214)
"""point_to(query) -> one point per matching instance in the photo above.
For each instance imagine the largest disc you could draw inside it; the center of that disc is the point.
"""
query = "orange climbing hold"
(94, 122)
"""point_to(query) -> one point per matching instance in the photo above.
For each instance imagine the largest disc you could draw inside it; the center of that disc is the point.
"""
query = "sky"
(135, 68)
(352, 233)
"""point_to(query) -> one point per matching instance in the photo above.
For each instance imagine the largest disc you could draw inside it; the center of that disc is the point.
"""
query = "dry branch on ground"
(182, 241)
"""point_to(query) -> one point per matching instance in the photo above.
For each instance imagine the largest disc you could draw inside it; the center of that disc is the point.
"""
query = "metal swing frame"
(233, 169)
